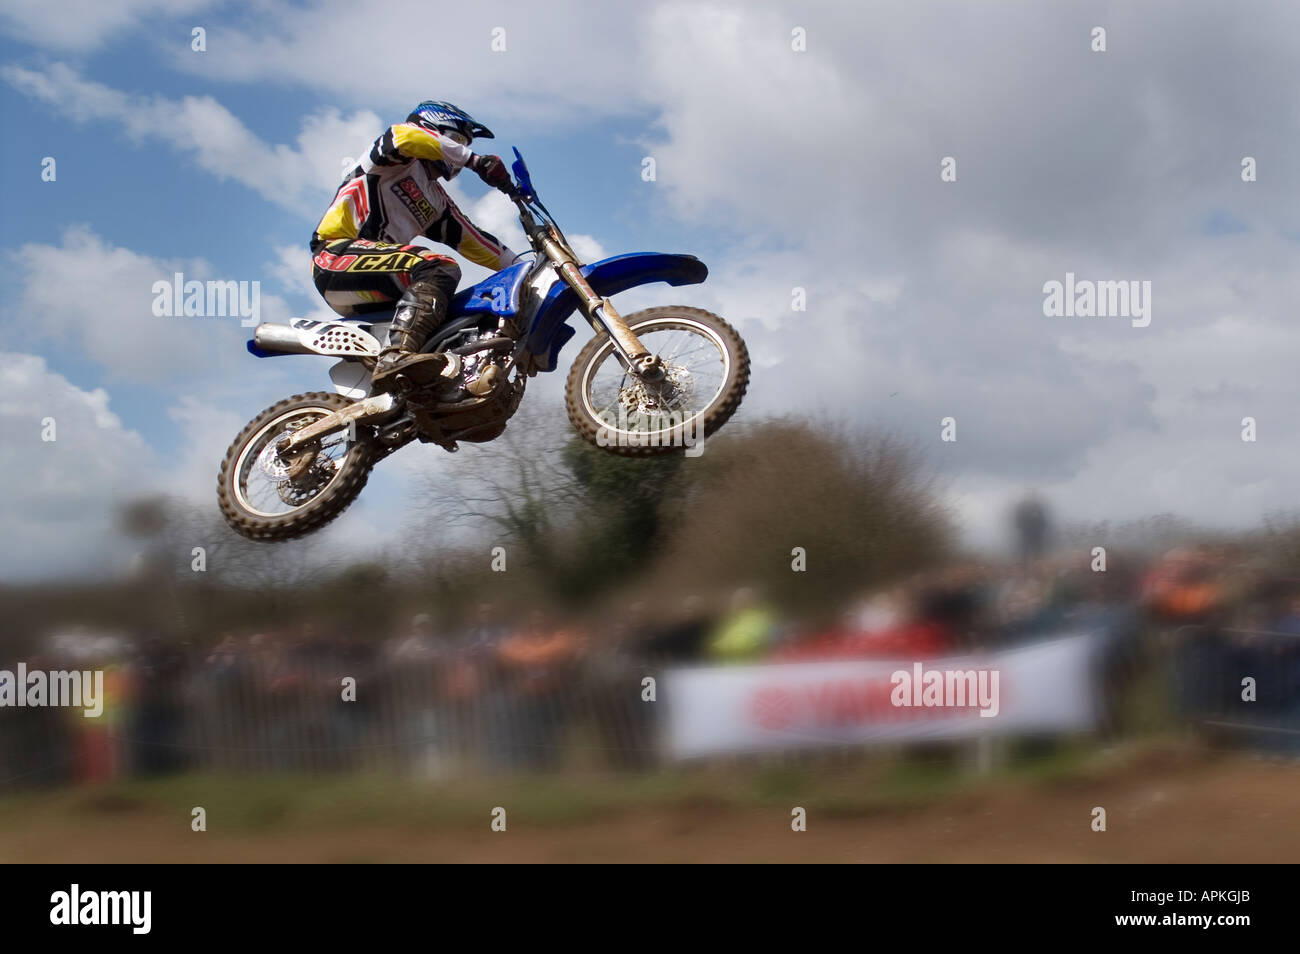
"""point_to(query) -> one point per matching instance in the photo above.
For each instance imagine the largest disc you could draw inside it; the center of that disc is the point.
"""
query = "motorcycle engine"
(480, 370)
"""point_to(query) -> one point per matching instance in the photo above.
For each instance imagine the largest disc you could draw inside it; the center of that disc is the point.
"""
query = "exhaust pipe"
(282, 339)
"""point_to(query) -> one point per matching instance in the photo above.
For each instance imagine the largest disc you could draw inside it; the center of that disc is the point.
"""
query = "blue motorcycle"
(657, 381)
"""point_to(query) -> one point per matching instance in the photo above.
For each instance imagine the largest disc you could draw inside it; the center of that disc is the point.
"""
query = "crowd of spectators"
(538, 690)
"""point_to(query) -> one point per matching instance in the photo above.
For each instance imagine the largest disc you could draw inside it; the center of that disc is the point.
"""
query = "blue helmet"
(439, 116)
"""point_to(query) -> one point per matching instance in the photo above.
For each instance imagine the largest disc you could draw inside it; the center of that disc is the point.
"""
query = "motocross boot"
(421, 309)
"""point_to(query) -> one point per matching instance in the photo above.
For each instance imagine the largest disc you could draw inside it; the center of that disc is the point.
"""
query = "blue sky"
(783, 166)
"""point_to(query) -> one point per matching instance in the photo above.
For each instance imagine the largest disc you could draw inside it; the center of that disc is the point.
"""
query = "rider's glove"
(492, 171)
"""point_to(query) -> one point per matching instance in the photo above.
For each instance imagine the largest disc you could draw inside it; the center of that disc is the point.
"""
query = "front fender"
(610, 276)
(607, 277)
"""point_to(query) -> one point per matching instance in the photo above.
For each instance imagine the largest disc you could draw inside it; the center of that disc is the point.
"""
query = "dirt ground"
(1221, 809)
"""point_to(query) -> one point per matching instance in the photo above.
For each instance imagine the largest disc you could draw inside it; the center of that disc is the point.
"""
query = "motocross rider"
(361, 259)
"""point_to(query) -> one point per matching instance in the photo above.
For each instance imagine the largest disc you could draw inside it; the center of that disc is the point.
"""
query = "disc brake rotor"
(298, 475)
(670, 393)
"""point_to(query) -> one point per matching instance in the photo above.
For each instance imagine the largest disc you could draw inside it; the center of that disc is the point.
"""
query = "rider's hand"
(492, 171)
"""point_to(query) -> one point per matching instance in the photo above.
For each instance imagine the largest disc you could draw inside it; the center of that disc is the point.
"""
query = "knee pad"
(442, 273)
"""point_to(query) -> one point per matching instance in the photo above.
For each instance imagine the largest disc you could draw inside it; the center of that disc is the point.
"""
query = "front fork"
(604, 317)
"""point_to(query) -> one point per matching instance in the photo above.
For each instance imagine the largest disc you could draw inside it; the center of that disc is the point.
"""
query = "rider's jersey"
(393, 195)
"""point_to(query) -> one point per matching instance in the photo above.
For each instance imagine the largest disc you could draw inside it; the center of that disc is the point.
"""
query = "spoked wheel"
(706, 371)
(266, 495)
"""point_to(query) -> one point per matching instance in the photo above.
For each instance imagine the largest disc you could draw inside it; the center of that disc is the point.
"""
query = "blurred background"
(662, 660)
(639, 681)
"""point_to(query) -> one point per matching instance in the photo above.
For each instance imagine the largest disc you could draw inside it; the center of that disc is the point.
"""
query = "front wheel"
(265, 495)
(706, 371)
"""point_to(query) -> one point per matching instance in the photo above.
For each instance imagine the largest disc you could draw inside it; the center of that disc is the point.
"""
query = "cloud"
(83, 25)
(924, 297)
(64, 496)
(291, 267)
(444, 54)
(102, 309)
(495, 213)
(61, 495)
(297, 177)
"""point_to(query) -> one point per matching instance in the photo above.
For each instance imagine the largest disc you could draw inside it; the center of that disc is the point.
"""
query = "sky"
(796, 146)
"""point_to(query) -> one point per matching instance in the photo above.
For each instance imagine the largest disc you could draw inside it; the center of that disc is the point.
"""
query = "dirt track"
(1158, 810)
(1222, 810)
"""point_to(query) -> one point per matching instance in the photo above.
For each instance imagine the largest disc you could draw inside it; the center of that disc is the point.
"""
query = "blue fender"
(607, 277)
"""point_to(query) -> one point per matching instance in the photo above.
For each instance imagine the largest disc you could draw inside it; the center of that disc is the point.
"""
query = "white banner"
(1045, 686)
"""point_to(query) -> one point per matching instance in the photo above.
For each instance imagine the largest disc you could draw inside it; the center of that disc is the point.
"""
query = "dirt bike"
(653, 382)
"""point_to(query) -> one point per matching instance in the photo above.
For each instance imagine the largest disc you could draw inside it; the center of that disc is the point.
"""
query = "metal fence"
(1240, 686)
(434, 718)
(448, 717)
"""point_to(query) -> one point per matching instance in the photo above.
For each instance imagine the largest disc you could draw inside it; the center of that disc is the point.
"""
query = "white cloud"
(440, 54)
(103, 310)
(296, 177)
(61, 495)
(292, 269)
(82, 25)
(751, 133)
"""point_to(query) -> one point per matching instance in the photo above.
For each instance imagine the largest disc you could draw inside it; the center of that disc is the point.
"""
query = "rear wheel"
(706, 372)
(265, 495)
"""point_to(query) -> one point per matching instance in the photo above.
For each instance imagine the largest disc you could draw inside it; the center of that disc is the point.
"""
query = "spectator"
(746, 632)
(540, 660)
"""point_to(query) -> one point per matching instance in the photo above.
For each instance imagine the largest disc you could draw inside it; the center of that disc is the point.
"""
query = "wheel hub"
(282, 468)
(298, 474)
(671, 393)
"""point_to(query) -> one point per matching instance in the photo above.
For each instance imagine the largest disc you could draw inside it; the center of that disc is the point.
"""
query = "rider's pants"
(356, 276)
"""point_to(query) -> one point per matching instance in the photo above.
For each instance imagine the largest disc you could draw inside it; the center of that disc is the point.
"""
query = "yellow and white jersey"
(394, 195)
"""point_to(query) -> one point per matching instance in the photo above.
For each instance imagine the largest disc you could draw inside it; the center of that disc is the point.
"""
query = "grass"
(849, 786)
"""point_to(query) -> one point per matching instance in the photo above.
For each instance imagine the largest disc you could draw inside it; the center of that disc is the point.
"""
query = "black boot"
(422, 308)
